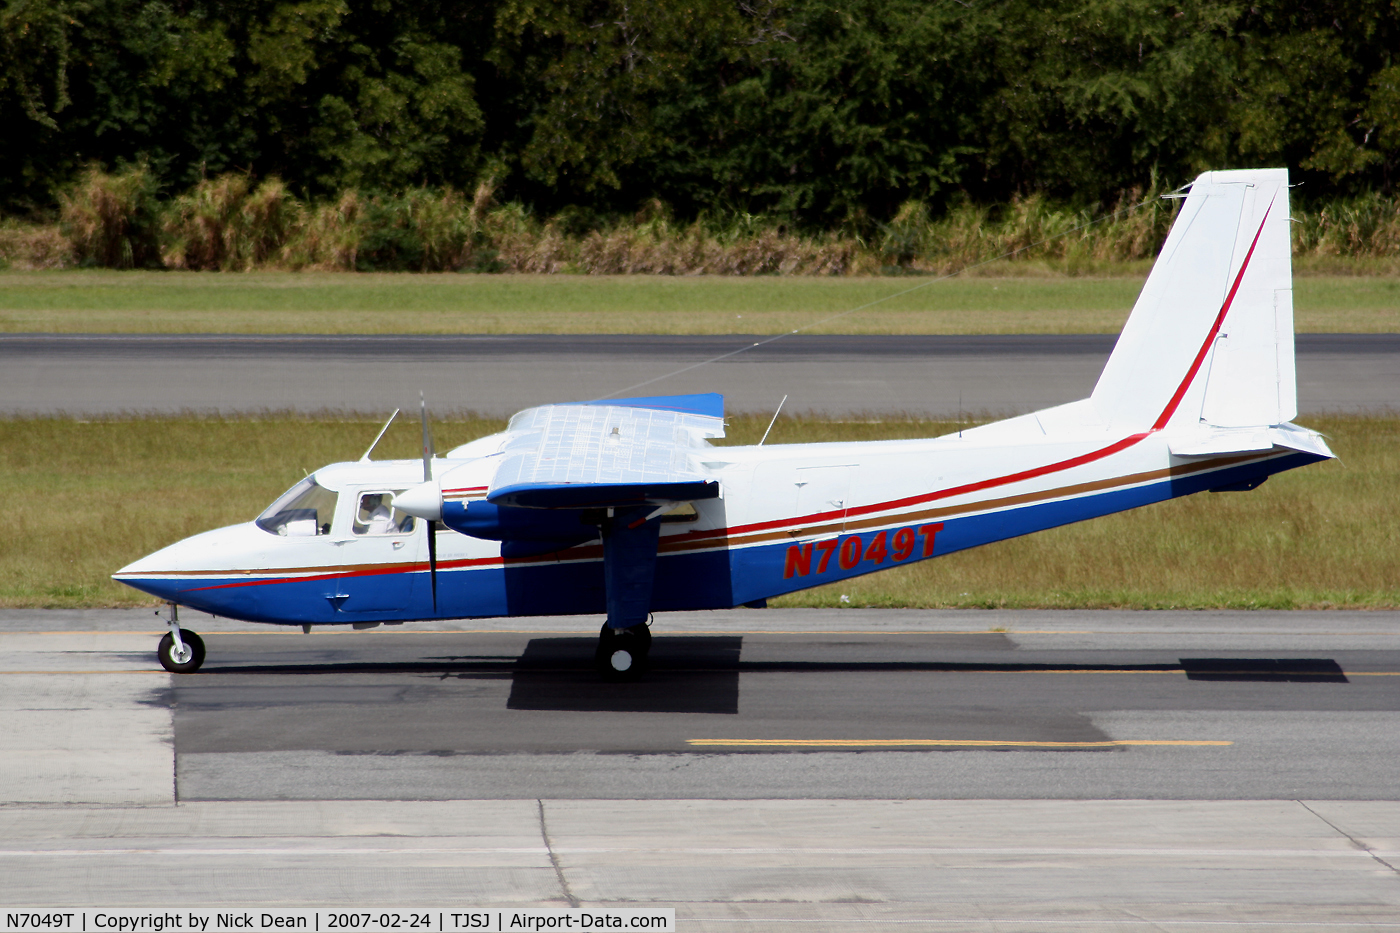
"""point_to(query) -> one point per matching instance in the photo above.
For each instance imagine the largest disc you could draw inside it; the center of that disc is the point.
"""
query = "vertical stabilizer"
(1211, 336)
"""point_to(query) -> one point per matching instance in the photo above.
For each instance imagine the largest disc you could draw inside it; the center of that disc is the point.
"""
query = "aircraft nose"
(167, 572)
(182, 556)
(144, 565)
(146, 575)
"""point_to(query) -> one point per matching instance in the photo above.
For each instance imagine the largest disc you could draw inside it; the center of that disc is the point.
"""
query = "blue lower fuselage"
(718, 577)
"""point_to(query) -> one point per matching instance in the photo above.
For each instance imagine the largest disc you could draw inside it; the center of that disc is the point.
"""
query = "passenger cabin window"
(304, 510)
(375, 516)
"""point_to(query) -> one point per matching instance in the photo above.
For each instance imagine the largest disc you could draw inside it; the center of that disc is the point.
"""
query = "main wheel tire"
(621, 662)
(622, 653)
(176, 663)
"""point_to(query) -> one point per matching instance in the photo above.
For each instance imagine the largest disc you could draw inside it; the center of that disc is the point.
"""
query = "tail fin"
(1210, 339)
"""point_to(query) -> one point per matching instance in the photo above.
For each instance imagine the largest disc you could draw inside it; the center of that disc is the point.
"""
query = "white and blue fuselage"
(1198, 395)
(791, 517)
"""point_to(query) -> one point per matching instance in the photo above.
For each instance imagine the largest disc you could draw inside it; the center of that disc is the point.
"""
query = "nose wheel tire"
(178, 662)
(622, 652)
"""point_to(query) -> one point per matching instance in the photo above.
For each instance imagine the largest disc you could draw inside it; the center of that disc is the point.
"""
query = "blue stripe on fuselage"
(759, 571)
(689, 580)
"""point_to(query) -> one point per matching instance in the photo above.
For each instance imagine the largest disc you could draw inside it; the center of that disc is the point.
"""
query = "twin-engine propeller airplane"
(625, 507)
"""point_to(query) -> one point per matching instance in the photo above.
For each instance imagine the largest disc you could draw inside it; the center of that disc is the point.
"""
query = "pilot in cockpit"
(374, 516)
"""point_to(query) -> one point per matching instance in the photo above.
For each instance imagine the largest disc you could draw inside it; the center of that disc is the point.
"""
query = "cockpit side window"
(306, 509)
(375, 516)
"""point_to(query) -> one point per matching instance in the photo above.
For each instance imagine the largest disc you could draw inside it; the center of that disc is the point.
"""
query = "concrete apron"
(89, 729)
(85, 720)
(735, 865)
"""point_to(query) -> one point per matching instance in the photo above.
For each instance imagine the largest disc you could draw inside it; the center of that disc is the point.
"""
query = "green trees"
(324, 93)
(823, 112)
(851, 110)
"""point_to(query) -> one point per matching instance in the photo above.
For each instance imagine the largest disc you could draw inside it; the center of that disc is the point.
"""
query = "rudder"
(1210, 339)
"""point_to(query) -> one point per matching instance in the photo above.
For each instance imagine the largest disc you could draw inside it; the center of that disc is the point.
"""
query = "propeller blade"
(427, 478)
(432, 561)
(427, 441)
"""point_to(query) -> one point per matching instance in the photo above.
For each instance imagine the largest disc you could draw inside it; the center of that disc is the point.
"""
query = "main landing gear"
(630, 537)
(622, 652)
(181, 651)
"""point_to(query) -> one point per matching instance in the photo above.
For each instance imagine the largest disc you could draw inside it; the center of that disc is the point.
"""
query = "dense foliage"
(822, 112)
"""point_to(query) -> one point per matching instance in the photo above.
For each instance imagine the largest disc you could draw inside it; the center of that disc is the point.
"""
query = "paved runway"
(932, 376)
(811, 704)
(492, 715)
(533, 780)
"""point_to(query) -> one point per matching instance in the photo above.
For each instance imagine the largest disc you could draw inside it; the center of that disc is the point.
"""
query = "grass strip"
(88, 496)
(367, 303)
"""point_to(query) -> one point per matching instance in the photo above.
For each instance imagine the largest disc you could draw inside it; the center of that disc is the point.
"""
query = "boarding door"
(381, 551)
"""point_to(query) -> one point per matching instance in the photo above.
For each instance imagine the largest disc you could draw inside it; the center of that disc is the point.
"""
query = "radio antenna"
(378, 436)
(899, 294)
(774, 421)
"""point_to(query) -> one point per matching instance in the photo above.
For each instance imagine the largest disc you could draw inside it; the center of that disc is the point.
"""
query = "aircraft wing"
(623, 452)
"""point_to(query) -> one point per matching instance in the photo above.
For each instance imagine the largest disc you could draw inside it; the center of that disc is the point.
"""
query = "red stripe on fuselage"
(817, 517)
(586, 552)
(1035, 472)
(418, 567)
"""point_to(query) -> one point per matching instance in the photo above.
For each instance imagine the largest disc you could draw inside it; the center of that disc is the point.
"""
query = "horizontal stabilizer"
(1212, 442)
(1295, 438)
(1221, 442)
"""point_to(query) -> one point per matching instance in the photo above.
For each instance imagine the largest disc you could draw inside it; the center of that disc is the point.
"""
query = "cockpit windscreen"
(306, 509)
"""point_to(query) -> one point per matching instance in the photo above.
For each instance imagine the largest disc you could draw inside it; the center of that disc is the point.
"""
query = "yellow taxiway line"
(927, 743)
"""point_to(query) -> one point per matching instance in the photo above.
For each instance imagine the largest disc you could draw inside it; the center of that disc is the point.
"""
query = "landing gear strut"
(630, 537)
(622, 652)
(180, 651)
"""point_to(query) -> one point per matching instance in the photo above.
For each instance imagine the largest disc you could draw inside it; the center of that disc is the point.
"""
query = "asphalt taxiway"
(923, 375)
(1124, 770)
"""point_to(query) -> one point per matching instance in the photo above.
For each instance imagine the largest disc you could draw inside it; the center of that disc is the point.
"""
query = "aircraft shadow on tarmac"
(687, 674)
(1275, 670)
(700, 673)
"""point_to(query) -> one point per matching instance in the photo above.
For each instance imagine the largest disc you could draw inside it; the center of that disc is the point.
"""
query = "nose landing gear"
(180, 651)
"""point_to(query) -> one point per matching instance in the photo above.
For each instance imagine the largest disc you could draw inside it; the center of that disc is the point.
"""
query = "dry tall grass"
(1031, 228)
(91, 496)
(33, 247)
(1364, 227)
(227, 223)
(330, 236)
(112, 219)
